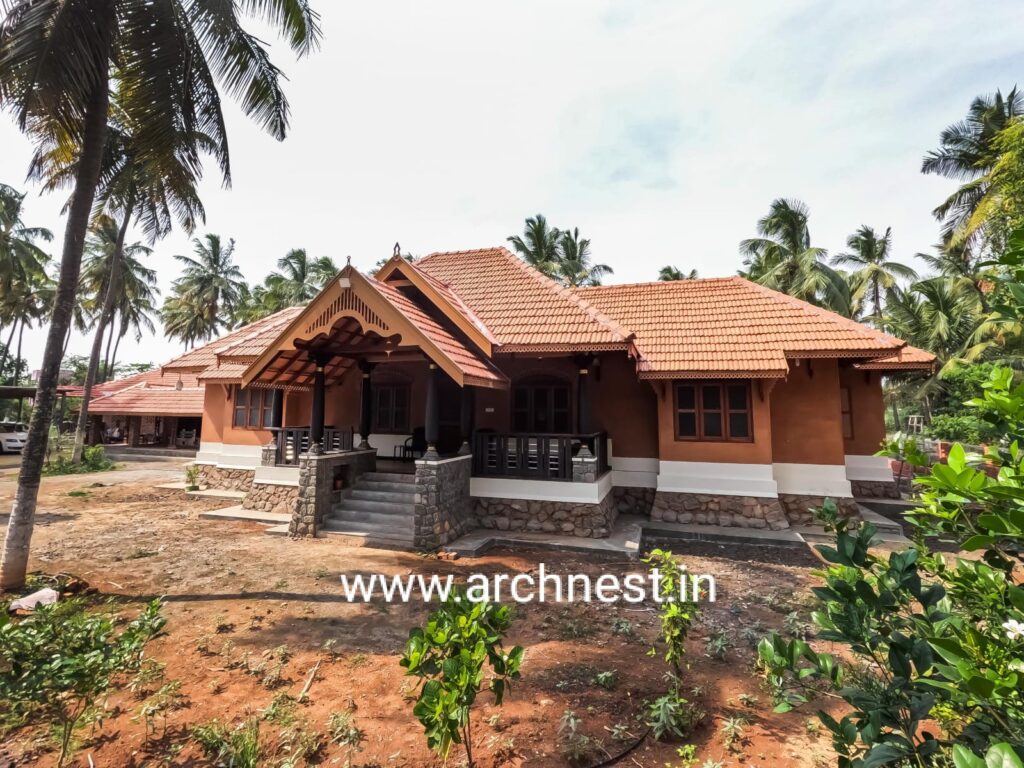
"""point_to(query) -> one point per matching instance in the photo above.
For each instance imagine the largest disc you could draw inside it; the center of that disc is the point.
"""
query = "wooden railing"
(292, 442)
(540, 457)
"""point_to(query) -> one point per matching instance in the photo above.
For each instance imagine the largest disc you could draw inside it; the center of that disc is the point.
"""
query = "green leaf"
(964, 758)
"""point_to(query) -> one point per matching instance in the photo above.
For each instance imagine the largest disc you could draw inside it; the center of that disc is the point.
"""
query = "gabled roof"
(729, 327)
(246, 342)
(523, 309)
(142, 400)
(907, 359)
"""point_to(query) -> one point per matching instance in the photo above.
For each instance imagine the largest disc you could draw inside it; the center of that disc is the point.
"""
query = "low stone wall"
(271, 497)
(316, 493)
(874, 489)
(443, 507)
(225, 479)
(707, 509)
(561, 517)
(798, 508)
(633, 501)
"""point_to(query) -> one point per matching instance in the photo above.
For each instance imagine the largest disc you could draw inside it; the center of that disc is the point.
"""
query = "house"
(517, 404)
(150, 408)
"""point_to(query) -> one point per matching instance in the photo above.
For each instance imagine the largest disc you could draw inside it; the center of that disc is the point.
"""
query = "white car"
(12, 437)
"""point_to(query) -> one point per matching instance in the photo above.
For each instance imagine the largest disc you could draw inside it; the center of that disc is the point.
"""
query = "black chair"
(416, 444)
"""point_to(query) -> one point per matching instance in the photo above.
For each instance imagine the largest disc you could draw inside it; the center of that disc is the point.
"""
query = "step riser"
(364, 495)
(373, 518)
(385, 507)
(388, 477)
(373, 485)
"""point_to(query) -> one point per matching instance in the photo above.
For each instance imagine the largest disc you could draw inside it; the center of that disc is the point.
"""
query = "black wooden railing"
(539, 457)
(292, 442)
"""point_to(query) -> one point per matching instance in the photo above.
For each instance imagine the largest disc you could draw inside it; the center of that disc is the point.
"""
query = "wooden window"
(254, 408)
(391, 408)
(713, 411)
(846, 409)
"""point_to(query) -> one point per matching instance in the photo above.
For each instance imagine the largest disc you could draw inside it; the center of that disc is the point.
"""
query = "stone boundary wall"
(874, 489)
(711, 509)
(567, 518)
(271, 497)
(225, 479)
(443, 508)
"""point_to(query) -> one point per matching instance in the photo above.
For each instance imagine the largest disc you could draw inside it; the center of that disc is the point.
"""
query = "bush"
(94, 459)
(57, 663)
(932, 641)
(965, 429)
(448, 656)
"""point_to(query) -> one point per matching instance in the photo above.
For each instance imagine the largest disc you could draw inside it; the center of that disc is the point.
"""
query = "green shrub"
(932, 641)
(448, 655)
(965, 429)
(238, 747)
(58, 663)
(94, 459)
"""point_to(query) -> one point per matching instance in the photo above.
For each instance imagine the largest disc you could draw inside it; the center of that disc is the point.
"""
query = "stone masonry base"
(225, 479)
(562, 517)
(706, 509)
(267, 497)
(874, 489)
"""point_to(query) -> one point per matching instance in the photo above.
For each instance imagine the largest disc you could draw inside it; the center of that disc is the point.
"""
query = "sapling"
(448, 655)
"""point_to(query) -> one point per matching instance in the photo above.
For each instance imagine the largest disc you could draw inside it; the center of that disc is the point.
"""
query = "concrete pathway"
(249, 515)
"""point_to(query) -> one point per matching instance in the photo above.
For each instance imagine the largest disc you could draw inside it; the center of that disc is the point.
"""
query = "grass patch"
(94, 459)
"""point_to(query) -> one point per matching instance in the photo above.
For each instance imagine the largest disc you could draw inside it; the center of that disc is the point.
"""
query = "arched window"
(541, 405)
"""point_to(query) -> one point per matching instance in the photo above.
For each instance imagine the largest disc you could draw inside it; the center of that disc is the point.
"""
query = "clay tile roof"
(142, 400)
(521, 307)
(455, 301)
(156, 377)
(729, 326)
(907, 359)
(246, 342)
(473, 365)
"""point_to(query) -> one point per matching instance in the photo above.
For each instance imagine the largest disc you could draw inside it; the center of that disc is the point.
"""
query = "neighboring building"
(532, 406)
(152, 408)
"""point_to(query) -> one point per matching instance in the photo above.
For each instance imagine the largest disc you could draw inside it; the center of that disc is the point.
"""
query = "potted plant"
(192, 477)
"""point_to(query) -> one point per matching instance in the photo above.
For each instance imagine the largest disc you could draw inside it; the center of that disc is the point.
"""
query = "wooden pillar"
(316, 420)
(365, 404)
(583, 407)
(277, 414)
(432, 426)
(466, 419)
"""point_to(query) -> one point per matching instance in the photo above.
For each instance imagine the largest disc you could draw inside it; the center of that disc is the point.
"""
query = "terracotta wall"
(626, 408)
(217, 415)
(867, 408)
(757, 451)
(806, 426)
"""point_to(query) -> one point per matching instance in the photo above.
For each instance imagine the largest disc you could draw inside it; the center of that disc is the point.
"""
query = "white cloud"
(662, 129)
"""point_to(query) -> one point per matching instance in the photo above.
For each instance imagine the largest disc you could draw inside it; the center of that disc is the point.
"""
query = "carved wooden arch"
(345, 305)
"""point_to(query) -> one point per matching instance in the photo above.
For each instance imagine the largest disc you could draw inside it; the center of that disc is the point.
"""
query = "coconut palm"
(573, 267)
(300, 278)
(538, 245)
(968, 151)
(20, 257)
(211, 282)
(783, 259)
(180, 320)
(670, 273)
(254, 304)
(57, 61)
(870, 256)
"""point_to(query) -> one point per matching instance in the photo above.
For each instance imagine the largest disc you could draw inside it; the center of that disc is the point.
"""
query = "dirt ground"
(234, 596)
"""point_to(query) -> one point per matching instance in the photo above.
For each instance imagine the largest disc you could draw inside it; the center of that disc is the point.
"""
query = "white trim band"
(717, 478)
(634, 473)
(276, 476)
(229, 455)
(812, 479)
(869, 468)
(541, 490)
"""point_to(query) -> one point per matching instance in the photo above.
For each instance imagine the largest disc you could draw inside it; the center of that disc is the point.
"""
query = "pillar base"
(431, 454)
(464, 449)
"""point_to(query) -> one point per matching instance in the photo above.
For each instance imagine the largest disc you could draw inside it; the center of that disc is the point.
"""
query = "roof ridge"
(814, 310)
(658, 283)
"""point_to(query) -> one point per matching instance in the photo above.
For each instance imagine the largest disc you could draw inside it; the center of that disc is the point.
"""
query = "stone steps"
(384, 487)
(388, 477)
(379, 507)
(400, 497)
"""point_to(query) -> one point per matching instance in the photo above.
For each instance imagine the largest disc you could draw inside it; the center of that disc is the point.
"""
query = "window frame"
(846, 413)
(553, 387)
(262, 405)
(723, 410)
(378, 427)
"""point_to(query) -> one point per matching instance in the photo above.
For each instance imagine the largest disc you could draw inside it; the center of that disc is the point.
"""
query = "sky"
(662, 129)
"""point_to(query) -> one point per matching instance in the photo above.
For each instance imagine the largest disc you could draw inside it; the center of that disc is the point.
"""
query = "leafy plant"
(343, 731)
(717, 645)
(574, 745)
(167, 699)
(192, 477)
(623, 627)
(671, 716)
(676, 616)
(449, 655)
(732, 731)
(94, 459)
(607, 679)
(58, 663)
(931, 639)
(238, 747)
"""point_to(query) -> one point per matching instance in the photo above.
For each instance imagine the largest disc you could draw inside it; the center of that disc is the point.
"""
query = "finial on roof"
(348, 261)
(397, 251)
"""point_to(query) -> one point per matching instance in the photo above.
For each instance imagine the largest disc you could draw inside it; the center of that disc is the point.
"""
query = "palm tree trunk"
(14, 563)
(10, 340)
(17, 367)
(117, 343)
(106, 317)
(104, 372)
